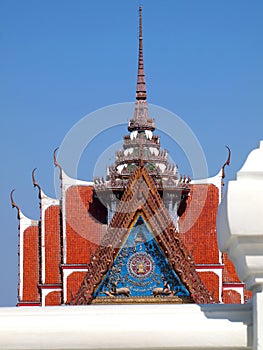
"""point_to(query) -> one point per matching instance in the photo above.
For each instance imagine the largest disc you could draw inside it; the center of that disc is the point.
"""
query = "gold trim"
(143, 300)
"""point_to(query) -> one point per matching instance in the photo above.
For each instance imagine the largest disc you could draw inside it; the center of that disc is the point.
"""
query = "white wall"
(126, 327)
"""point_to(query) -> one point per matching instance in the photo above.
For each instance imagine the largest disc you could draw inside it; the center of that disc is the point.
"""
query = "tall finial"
(141, 85)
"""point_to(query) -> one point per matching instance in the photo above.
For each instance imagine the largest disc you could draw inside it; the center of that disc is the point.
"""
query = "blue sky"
(61, 60)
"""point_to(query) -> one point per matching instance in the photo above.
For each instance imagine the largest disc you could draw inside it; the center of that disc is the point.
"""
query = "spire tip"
(141, 85)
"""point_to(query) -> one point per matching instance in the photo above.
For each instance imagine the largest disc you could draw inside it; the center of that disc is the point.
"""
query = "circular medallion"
(140, 265)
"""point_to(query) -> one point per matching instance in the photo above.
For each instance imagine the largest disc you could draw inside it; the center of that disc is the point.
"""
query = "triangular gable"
(141, 197)
(141, 272)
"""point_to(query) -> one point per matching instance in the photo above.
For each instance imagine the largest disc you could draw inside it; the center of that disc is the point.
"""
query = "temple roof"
(140, 173)
(141, 197)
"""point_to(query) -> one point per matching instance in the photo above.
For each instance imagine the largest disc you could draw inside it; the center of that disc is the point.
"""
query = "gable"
(141, 197)
(141, 272)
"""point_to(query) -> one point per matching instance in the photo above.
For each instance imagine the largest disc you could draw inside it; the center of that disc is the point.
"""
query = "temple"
(142, 234)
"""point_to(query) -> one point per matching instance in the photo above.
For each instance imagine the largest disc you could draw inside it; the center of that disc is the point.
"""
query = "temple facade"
(141, 234)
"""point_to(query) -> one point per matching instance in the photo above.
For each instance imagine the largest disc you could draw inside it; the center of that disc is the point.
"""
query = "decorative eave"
(141, 196)
(227, 163)
(25, 222)
(67, 181)
(214, 180)
(218, 179)
(45, 201)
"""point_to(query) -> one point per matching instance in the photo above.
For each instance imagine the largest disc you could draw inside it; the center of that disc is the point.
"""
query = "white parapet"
(240, 232)
(126, 327)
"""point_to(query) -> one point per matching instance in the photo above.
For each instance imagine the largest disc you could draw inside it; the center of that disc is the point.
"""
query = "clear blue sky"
(60, 60)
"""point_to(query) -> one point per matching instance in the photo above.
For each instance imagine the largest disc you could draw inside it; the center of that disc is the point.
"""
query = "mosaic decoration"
(140, 269)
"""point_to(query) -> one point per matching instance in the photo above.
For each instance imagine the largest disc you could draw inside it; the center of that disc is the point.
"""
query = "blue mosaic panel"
(141, 269)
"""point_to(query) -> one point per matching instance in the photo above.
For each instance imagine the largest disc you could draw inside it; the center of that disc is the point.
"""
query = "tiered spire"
(141, 147)
(141, 120)
(141, 85)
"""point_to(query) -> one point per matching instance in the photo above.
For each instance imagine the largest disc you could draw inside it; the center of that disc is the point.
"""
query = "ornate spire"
(141, 121)
(141, 85)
